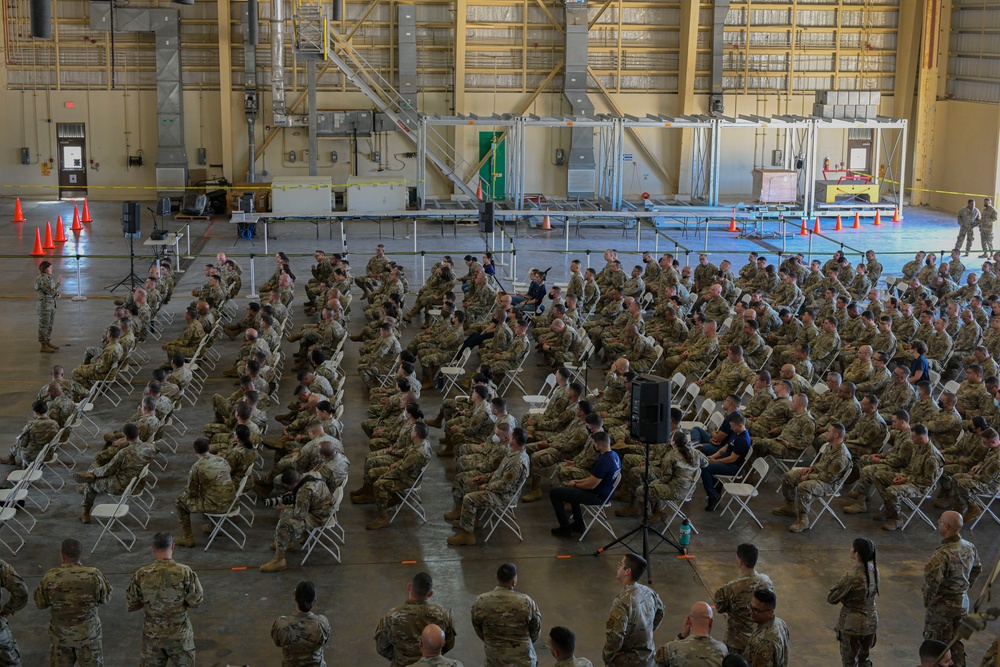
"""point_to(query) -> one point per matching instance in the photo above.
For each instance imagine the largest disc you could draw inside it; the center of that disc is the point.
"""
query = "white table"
(171, 239)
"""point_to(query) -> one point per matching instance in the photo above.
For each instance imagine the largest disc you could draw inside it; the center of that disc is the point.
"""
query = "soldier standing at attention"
(968, 219)
(733, 599)
(47, 289)
(856, 590)
(74, 591)
(165, 590)
(431, 642)
(508, 622)
(562, 646)
(694, 644)
(988, 219)
(635, 613)
(951, 572)
(301, 636)
(397, 637)
(18, 597)
(768, 646)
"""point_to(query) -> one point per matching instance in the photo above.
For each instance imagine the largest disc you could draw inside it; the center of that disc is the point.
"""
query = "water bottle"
(685, 535)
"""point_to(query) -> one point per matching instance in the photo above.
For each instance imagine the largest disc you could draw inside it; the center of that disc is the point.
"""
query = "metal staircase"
(393, 104)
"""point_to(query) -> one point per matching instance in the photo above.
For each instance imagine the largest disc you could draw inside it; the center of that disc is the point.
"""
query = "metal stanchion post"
(810, 247)
(187, 235)
(343, 237)
(687, 255)
(423, 266)
(265, 237)
(706, 234)
(566, 224)
(588, 254)
(253, 278)
(656, 243)
(638, 234)
(79, 294)
(513, 261)
(781, 228)
(414, 234)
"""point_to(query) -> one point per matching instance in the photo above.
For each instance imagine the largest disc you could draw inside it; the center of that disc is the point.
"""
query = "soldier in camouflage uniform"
(674, 477)
(801, 485)
(74, 592)
(948, 576)
(693, 359)
(987, 221)
(636, 612)
(165, 590)
(882, 467)
(392, 482)
(982, 479)
(492, 491)
(868, 433)
(563, 446)
(190, 338)
(442, 349)
(777, 413)
(398, 633)
(794, 435)
(16, 600)
(382, 357)
(99, 366)
(303, 635)
(856, 590)
(113, 477)
(969, 218)
(729, 377)
(47, 289)
(562, 645)
(311, 508)
(508, 622)
(946, 424)
(694, 644)
(209, 490)
(914, 480)
(768, 645)
(38, 432)
(734, 597)
(431, 643)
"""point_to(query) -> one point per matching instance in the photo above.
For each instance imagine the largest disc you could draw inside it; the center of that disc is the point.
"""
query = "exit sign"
(69, 105)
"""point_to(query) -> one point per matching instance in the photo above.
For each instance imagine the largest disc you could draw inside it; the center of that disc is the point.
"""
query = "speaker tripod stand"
(644, 528)
(131, 278)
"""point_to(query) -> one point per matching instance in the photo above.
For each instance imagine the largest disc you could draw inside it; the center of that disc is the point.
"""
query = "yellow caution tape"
(230, 186)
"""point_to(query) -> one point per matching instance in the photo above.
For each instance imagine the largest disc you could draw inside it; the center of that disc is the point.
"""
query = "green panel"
(494, 171)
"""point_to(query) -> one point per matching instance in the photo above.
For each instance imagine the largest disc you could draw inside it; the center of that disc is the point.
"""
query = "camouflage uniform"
(727, 378)
(398, 632)
(897, 396)
(692, 650)
(768, 646)
(733, 599)
(114, 476)
(986, 480)
(165, 590)
(777, 413)
(635, 613)
(795, 436)
(882, 472)
(839, 410)
(948, 576)
(74, 592)
(313, 504)
(921, 471)
(944, 427)
(509, 623)
(379, 361)
(867, 435)
(400, 476)
(209, 488)
(825, 474)
(99, 366)
(674, 479)
(501, 486)
(858, 620)
(968, 220)
(188, 342)
(16, 600)
(38, 432)
(46, 288)
(301, 637)
(758, 403)
(562, 447)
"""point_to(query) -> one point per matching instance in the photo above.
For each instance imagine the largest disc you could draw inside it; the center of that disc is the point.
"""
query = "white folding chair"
(31, 475)
(506, 516)
(740, 493)
(690, 393)
(411, 499)
(825, 499)
(14, 498)
(110, 515)
(511, 378)
(226, 520)
(143, 496)
(330, 533)
(914, 504)
(675, 508)
(454, 371)
(599, 513)
(7, 516)
(577, 370)
(540, 399)
(986, 502)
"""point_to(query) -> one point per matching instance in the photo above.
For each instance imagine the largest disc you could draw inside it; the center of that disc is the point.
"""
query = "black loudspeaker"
(130, 217)
(486, 213)
(650, 418)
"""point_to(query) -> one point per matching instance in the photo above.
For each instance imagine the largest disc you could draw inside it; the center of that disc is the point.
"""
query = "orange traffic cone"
(840, 226)
(857, 221)
(816, 229)
(76, 216)
(897, 216)
(479, 191)
(732, 222)
(38, 252)
(878, 219)
(86, 212)
(49, 243)
(546, 223)
(60, 231)
(803, 232)
(18, 213)
(76, 224)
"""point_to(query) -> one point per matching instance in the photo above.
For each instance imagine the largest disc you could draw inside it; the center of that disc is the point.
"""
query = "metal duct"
(41, 19)
(252, 19)
(278, 60)
(338, 10)
(582, 173)
(406, 41)
(719, 13)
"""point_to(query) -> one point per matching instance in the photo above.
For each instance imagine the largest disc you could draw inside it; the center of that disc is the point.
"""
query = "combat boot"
(944, 503)
(365, 489)
(187, 538)
(800, 524)
(447, 451)
(85, 515)
(464, 538)
(623, 494)
(534, 493)
(974, 511)
(895, 522)
(453, 514)
(860, 506)
(436, 422)
(365, 498)
(85, 477)
(48, 347)
(276, 564)
(294, 338)
(788, 509)
(379, 522)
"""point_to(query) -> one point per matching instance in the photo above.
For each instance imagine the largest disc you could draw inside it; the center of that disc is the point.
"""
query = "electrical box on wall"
(25, 156)
(202, 156)
(777, 158)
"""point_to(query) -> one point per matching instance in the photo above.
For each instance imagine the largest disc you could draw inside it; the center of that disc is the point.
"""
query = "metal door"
(72, 141)
(859, 150)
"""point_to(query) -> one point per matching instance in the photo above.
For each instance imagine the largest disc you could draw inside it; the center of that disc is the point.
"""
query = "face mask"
(495, 438)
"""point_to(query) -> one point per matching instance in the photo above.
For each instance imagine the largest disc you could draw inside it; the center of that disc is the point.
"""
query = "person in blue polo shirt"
(593, 490)
(728, 460)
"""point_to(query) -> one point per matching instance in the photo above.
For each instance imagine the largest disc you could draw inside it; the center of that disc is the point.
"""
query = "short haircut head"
(163, 540)
(562, 639)
(201, 445)
(748, 553)
(71, 549)
(422, 583)
(507, 573)
(766, 598)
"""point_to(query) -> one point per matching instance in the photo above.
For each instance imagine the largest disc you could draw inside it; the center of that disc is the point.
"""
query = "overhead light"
(183, 2)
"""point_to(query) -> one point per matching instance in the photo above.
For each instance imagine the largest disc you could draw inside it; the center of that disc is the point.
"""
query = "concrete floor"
(232, 625)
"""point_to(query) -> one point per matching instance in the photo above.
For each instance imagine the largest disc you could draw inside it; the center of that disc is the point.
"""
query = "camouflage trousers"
(942, 624)
(165, 656)
(968, 487)
(472, 463)
(542, 460)
(569, 472)
(85, 656)
(377, 465)
(635, 475)
(986, 236)
(947, 481)
(187, 350)
(86, 375)
(9, 654)
(774, 447)
(802, 493)
(290, 529)
(46, 311)
(389, 488)
(966, 233)
(435, 357)
(475, 501)
(661, 491)
(109, 485)
(855, 649)
(892, 497)
(879, 474)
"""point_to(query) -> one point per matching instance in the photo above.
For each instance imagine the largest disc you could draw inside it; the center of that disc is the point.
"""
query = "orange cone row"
(18, 213)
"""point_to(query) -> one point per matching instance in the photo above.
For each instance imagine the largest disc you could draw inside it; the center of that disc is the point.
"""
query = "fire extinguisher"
(826, 164)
